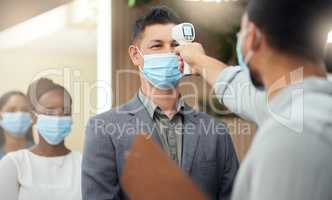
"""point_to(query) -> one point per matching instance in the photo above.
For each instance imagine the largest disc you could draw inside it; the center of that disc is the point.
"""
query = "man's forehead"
(158, 32)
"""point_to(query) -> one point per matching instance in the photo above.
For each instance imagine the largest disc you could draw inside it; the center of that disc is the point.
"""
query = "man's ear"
(34, 118)
(254, 38)
(135, 55)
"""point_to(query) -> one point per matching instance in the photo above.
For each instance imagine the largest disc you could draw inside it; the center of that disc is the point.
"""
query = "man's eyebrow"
(157, 41)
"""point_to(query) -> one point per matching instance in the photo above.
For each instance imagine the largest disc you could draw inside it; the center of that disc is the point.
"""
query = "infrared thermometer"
(184, 33)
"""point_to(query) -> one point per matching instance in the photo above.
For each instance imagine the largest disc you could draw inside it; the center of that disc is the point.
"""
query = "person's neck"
(165, 100)
(46, 150)
(13, 144)
(283, 72)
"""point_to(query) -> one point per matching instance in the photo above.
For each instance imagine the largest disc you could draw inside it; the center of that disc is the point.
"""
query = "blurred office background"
(82, 44)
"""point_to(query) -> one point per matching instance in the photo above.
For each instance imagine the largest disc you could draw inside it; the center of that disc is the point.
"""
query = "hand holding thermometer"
(184, 33)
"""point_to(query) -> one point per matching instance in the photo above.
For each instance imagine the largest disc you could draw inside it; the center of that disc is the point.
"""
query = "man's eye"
(175, 44)
(156, 46)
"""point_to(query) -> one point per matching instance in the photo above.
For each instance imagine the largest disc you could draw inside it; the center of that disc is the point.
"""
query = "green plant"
(227, 43)
(133, 3)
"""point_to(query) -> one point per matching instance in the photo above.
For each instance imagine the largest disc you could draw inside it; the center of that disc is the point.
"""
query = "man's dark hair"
(328, 57)
(297, 27)
(156, 15)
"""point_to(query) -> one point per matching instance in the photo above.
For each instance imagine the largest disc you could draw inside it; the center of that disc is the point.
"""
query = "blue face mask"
(162, 70)
(54, 129)
(240, 57)
(16, 123)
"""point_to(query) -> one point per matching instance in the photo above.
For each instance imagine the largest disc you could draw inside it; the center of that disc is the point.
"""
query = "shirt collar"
(152, 108)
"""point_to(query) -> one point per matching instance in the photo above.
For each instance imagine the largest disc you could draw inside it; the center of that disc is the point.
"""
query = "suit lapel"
(140, 116)
(190, 138)
(148, 126)
(138, 112)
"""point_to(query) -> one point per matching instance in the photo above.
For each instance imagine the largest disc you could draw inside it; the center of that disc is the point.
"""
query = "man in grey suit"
(199, 144)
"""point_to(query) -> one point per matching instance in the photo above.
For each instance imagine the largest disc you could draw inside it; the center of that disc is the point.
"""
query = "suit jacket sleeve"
(99, 173)
(229, 169)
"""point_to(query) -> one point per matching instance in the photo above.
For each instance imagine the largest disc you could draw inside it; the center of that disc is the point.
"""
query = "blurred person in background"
(15, 122)
(48, 170)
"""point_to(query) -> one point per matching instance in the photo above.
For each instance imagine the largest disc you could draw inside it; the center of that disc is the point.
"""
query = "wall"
(125, 85)
(13, 12)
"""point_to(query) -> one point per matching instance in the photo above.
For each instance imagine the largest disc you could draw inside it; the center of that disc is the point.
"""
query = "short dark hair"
(156, 15)
(298, 27)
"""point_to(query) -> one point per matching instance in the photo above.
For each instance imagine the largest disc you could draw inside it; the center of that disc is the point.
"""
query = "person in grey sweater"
(281, 84)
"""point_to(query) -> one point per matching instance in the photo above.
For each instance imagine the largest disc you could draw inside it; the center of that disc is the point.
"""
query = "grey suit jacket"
(208, 154)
